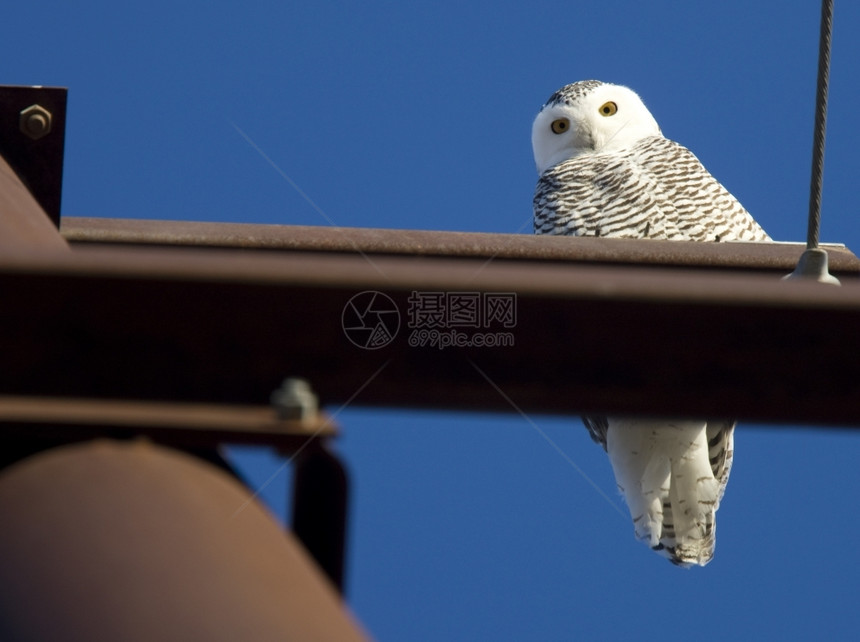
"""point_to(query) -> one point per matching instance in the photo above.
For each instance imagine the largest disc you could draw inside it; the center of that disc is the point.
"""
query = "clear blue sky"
(418, 115)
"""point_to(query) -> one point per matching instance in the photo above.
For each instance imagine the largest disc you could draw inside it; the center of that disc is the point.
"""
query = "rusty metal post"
(320, 489)
(32, 133)
(32, 141)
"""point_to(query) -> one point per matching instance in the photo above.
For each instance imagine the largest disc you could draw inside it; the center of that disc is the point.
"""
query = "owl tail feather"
(664, 472)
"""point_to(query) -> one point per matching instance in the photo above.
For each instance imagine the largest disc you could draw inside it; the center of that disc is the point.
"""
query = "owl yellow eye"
(608, 109)
(560, 125)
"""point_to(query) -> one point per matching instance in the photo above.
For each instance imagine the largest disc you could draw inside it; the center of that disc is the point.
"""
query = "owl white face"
(587, 118)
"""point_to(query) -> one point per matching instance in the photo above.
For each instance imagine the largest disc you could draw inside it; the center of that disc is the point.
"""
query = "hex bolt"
(35, 122)
(295, 400)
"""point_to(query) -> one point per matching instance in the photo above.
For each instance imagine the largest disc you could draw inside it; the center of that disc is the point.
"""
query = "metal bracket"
(320, 507)
(32, 140)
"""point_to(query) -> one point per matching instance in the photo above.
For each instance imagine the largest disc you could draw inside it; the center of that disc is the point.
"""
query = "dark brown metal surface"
(319, 507)
(24, 227)
(226, 325)
(758, 256)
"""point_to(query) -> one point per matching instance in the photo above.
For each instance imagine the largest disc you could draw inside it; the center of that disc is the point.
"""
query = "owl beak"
(585, 139)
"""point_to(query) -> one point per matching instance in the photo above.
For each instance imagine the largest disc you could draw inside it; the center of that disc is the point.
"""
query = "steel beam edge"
(372, 241)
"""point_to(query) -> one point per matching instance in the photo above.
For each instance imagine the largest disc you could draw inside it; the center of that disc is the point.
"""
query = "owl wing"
(656, 189)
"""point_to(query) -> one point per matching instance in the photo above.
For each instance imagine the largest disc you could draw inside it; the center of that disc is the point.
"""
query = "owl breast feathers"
(607, 170)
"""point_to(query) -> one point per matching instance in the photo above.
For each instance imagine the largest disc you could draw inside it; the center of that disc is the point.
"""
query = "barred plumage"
(657, 189)
(607, 170)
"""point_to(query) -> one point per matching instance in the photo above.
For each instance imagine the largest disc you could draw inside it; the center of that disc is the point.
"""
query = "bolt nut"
(35, 122)
(295, 400)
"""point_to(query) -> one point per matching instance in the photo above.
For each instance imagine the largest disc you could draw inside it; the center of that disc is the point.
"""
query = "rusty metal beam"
(184, 424)
(215, 324)
(780, 257)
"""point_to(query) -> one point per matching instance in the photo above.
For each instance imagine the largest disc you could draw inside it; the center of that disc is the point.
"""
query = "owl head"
(589, 117)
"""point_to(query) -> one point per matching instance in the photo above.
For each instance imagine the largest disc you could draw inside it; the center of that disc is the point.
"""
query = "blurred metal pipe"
(131, 541)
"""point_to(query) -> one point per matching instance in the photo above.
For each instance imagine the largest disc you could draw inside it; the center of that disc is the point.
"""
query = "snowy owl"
(607, 170)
